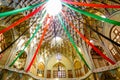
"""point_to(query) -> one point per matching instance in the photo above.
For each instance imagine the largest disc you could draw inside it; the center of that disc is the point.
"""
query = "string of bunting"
(22, 19)
(15, 40)
(113, 42)
(88, 42)
(39, 45)
(28, 42)
(66, 3)
(92, 5)
(92, 15)
(72, 41)
(12, 12)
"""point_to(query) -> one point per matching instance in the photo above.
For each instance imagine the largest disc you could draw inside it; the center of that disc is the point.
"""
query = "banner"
(89, 43)
(92, 5)
(22, 19)
(72, 41)
(28, 42)
(39, 45)
(3, 14)
(92, 15)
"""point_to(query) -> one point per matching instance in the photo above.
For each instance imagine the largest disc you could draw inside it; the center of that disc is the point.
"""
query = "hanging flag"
(39, 45)
(22, 19)
(88, 42)
(72, 41)
(92, 15)
(92, 5)
(3, 14)
(28, 42)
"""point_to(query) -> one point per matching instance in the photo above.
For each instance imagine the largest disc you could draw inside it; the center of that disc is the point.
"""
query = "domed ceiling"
(59, 36)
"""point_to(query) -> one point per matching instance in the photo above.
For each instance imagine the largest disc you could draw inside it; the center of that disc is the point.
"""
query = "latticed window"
(115, 35)
(114, 53)
(59, 74)
(59, 71)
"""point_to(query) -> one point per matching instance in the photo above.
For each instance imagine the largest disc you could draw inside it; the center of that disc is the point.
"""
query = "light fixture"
(103, 16)
(53, 7)
(91, 41)
(56, 41)
(58, 56)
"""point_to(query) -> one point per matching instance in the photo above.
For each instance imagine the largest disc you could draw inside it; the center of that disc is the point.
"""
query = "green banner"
(92, 15)
(3, 14)
(28, 42)
(72, 41)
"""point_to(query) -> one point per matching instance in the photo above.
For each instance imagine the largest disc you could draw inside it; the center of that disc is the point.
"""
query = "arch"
(12, 34)
(97, 59)
(59, 70)
(78, 68)
(65, 61)
(115, 36)
(20, 63)
(113, 33)
(53, 61)
(77, 65)
(5, 40)
(40, 69)
(58, 65)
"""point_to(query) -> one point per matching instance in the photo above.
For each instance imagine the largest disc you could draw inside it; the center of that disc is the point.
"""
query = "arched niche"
(53, 61)
(113, 32)
(5, 40)
(77, 65)
(108, 26)
(12, 34)
(115, 36)
(78, 68)
(98, 60)
(38, 66)
(20, 62)
(40, 69)
(64, 60)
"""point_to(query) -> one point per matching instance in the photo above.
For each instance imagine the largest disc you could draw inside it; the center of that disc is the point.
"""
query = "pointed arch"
(20, 63)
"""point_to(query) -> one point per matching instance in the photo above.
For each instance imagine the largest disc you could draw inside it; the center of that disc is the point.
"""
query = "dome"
(79, 42)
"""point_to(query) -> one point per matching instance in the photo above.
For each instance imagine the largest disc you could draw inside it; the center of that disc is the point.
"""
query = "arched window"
(77, 68)
(40, 70)
(59, 70)
(115, 35)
